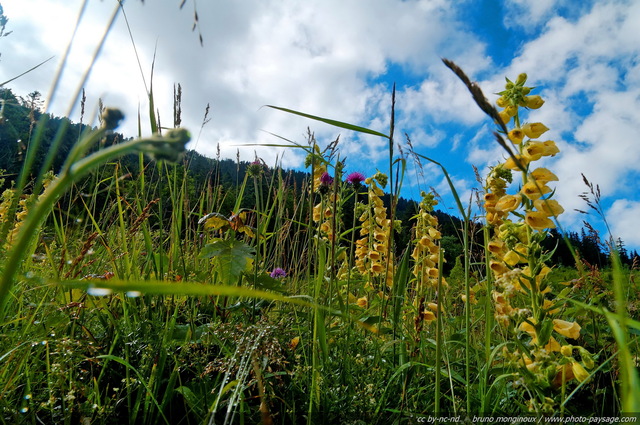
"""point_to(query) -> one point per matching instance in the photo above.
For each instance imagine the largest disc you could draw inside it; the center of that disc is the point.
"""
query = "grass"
(144, 302)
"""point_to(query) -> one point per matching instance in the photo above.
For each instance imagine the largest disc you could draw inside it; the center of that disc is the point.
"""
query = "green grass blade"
(334, 123)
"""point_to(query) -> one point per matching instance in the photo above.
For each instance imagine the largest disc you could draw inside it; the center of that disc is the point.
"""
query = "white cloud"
(623, 218)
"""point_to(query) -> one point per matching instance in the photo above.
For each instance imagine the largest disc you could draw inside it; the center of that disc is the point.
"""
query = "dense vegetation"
(143, 284)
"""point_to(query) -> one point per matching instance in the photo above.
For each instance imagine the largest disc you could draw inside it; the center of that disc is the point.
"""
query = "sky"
(339, 60)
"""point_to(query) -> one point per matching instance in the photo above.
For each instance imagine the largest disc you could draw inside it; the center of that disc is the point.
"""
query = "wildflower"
(534, 130)
(511, 164)
(504, 116)
(543, 175)
(278, 272)
(534, 151)
(355, 179)
(508, 203)
(428, 316)
(550, 207)
(538, 220)
(362, 302)
(516, 135)
(326, 179)
(294, 342)
(533, 102)
(534, 190)
(567, 329)
(550, 148)
(579, 371)
(255, 168)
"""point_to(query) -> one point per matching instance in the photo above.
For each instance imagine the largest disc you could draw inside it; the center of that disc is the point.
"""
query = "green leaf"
(230, 257)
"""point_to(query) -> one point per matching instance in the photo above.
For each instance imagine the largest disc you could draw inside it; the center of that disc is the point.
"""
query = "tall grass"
(131, 296)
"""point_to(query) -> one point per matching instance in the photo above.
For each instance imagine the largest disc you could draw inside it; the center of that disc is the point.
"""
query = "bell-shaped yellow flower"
(504, 116)
(533, 102)
(497, 247)
(567, 329)
(362, 302)
(550, 148)
(534, 130)
(550, 207)
(534, 151)
(508, 203)
(538, 220)
(543, 175)
(512, 258)
(534, 190)
(428, 316)
(498, 267)
(579, 371)
(516, 135)
(511, 164)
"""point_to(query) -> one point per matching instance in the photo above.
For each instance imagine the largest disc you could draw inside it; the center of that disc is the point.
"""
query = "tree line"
(20, 115)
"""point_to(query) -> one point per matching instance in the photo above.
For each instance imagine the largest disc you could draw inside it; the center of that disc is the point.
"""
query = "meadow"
(135, 297)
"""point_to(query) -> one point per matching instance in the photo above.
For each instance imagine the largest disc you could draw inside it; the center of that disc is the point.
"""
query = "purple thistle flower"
(278, 272)
(355, 178)
(326, 179)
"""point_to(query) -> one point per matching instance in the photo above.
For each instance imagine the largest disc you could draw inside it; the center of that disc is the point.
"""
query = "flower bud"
(522, 78)
(534, 102)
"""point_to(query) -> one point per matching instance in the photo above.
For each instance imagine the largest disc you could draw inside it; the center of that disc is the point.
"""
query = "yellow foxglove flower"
(534, 130)
(512, 258)
(502, 101)
(511, 110)
(377, 268)
(543, 175)
(294, 342)
(579, 371)
(567, 329)
(508, 203)
(504, 116)
(533, 102)
(552, 345)
(516, 135)
(550, 207)
(497, 248)
(528, 327)
(547, 306)
(434, 234)
(534, 151)
(538, 220)
(380, 236)
(511, 164)
(566, 350)
(498, 267)
(428, 316)
(362, 302)
(534, 190)
(565, 370)
(550, 148)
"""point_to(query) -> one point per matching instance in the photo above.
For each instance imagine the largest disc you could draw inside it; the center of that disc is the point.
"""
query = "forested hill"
(19, 116)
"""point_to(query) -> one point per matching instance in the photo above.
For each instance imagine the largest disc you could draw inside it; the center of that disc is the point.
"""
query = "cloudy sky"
(339, 59)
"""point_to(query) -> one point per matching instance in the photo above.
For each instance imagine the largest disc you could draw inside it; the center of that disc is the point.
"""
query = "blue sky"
(339, 59)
